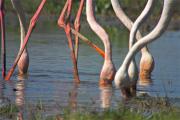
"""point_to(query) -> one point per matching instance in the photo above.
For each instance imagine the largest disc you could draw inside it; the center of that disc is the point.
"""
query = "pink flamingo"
(133, 70)
(121, 78)
(32, 24)
(147, 61)
(23, 46)
(24, 59)
(108, 70)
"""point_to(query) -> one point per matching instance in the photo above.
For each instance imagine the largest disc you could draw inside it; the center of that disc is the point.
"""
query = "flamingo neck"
(22, 20)
(144, 15)
(125, 20)
(139, 36)
(108, 49)
(98, 30)
(121, 15)
(23, 33)
(156, 32)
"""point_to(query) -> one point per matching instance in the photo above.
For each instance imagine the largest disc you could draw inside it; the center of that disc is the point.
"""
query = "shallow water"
(50, 78)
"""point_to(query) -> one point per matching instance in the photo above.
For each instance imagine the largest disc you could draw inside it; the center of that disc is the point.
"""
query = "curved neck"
(121, 15)
(98, 29)
(154, 34)
(125, 19)
(143, 16)
(22, 20)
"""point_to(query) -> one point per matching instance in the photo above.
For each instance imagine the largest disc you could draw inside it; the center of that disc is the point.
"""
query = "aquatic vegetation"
(123, 113)
(139, 108)
(106, 115)
(8, 111)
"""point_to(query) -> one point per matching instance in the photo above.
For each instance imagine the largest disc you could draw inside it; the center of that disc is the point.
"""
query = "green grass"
(8, 111)
(106, 115)
(139, 108)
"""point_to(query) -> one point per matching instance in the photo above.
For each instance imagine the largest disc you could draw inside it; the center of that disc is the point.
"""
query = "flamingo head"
(107, 74)
(122, 81)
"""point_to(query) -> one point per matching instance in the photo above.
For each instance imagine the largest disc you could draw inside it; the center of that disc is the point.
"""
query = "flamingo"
(32, 24)
(147, 60)
(132, 70)
(145, 68)
(122, 78)
(108, 70)
(23, 62)
(29, 31)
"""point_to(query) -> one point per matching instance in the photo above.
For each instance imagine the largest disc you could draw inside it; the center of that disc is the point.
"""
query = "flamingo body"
(129, 24)
(146, 66)
(153, 35)
(23, 63)
(107, 73)
(108, 70)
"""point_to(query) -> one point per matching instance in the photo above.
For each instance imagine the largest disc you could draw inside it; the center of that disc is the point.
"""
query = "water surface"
(50, 78)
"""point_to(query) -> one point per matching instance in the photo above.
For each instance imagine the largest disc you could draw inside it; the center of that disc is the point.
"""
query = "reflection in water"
(145, 81)
(73, 97)
(1, 93)
(19, 92)
(143, 93)
(105, 96)
(4, 101)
